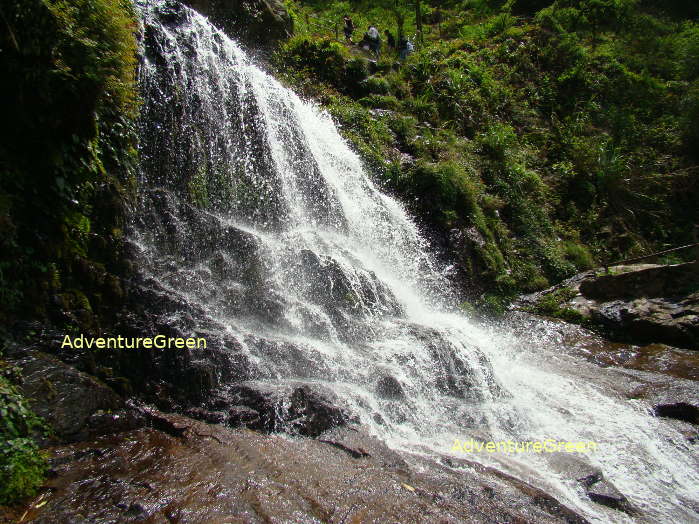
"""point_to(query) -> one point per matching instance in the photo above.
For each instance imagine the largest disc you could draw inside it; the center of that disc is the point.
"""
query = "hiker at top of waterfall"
(373, 39)
(405, 47)
(349, 28)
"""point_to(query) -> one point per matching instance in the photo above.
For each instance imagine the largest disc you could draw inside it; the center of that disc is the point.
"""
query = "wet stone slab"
(214, 474)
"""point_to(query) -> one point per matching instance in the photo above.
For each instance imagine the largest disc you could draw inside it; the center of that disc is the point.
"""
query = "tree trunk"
(418, 20)
(400, 19)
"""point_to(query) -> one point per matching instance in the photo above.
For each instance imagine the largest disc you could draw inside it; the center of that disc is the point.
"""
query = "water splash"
(323, 279)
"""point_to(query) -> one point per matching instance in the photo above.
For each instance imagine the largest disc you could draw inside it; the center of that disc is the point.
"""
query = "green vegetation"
(559, 135)
(67, 150)
(69, 101)
(551, 305)
(22, 465)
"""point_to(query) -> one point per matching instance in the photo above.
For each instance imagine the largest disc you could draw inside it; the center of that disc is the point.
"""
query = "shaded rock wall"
(256, 23)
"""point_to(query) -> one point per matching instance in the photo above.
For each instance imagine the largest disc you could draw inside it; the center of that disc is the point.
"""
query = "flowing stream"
(258, 213)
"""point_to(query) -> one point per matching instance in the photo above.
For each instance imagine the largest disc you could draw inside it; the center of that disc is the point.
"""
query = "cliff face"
(257, 23)
(67, 160)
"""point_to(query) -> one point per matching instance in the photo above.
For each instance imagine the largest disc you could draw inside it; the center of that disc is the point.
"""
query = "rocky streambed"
(189, 471)
(119, 460)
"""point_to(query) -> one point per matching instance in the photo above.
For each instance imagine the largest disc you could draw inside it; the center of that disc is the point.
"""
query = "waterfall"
(256, 213)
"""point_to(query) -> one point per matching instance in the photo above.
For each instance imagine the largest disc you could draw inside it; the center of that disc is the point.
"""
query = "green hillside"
(556, 137)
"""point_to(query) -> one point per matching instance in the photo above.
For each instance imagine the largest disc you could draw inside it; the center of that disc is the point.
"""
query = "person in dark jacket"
(348, 28)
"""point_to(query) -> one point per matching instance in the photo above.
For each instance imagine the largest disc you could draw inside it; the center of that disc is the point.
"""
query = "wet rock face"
(213, 474)
(646, 282)
(605, 493)
(75, 404)
(255, 22)
(302, 410)
(355, 291)
(452, 374)
(388, 387)
(678, 410)
(665, 320)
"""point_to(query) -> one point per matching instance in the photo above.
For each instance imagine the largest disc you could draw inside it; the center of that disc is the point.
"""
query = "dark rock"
(359, 444)
(136, 510)
(257, 23)
(646, 282)
(72, 402)
(105, 422)
(243, 416)
(678, 410)
(605, 493)
(312, 412)
(354, 453)
(212, 417)
(170, 424)
(640, 304)
(590, 478)
(303, 410)
(388, 387)
(329, 284)
(576, 468)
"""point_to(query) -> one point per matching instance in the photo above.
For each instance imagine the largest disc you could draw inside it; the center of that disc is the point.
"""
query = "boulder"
(678, 410)
(76, 405)
(646, 281)
(640, 304)
(299, 409)
(388, 387)
(605, 493)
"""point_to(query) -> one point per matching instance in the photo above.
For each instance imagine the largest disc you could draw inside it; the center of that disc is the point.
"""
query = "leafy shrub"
(356, 70)
(444, 191)
(22, 465)
(23, 469)
(322, 57)
(422, 107)
(579, 255)
(397, 85)
(499, 24)
(550, 305)
(498, 141)
(687, 49)
(405, 128)
(559, 19)
(376, 85)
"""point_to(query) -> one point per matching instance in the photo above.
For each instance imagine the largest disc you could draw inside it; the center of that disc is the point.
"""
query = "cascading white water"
(324, 280)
